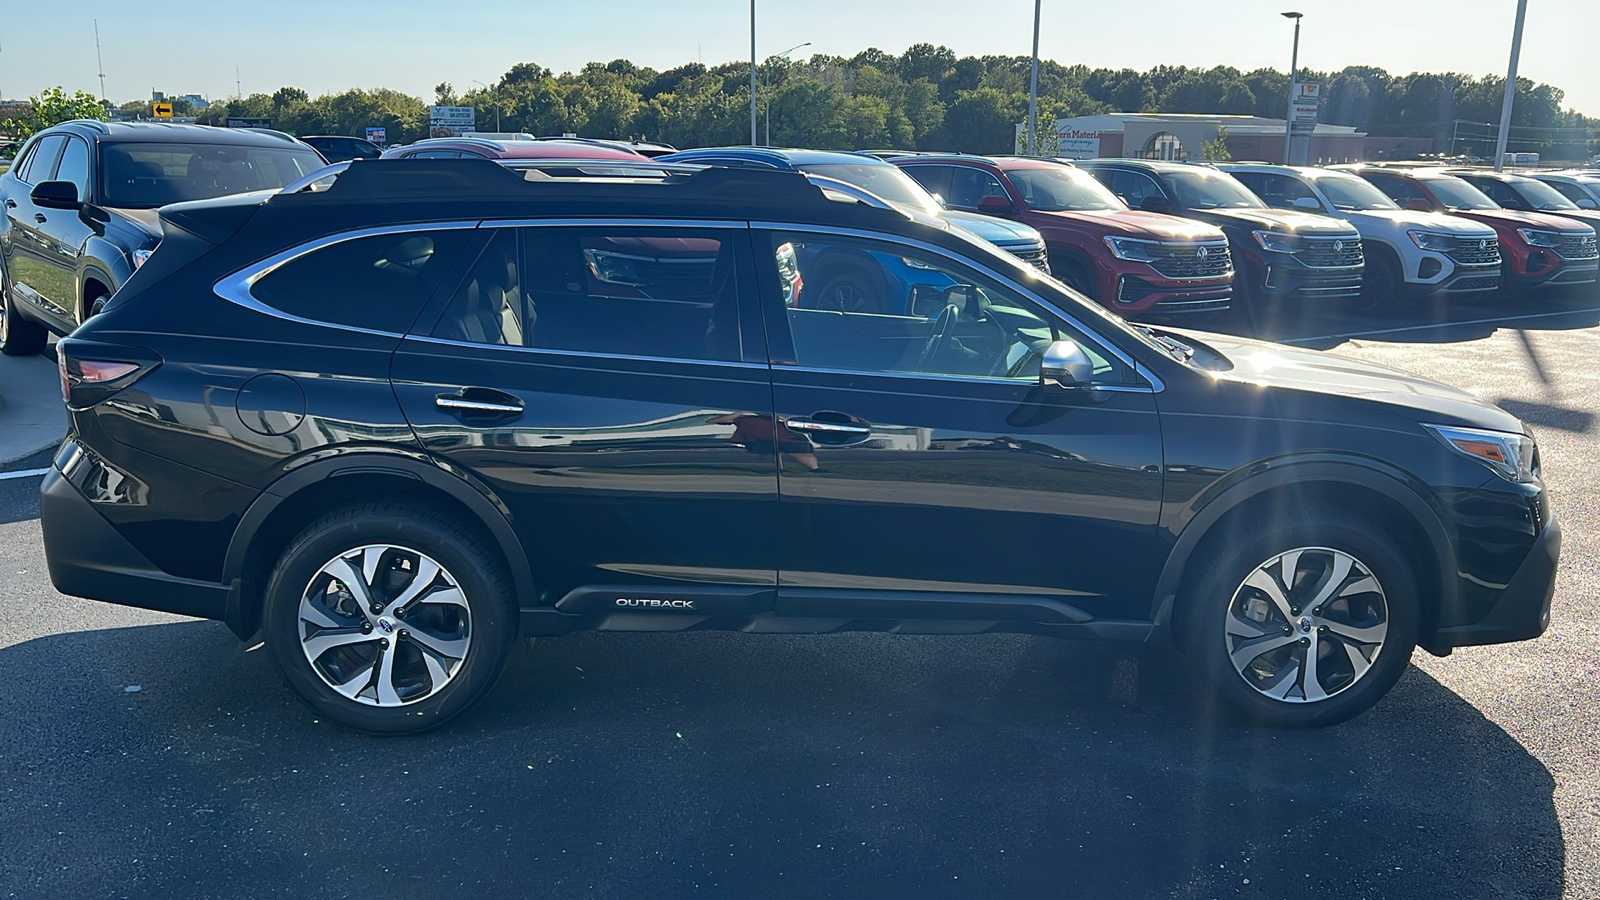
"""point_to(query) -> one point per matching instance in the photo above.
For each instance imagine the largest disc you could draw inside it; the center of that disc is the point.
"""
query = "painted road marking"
(26, 473)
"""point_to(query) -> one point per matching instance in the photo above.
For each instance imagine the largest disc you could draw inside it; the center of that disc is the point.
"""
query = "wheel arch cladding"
(1379, 497)
(298, 498)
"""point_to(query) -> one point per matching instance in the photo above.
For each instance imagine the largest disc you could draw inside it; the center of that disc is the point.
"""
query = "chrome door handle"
(827, 428)
(479, 400)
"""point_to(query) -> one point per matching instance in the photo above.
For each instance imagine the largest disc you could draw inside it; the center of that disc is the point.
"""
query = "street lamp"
(494, 97)
(1294, 63)
(766, 90)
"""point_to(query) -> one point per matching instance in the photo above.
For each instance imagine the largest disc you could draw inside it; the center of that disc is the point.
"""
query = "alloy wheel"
(384, 625)
(1306, 624)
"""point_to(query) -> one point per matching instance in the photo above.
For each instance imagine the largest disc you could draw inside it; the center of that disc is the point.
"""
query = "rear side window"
(664, 293)
(378, 283)
(969, 185)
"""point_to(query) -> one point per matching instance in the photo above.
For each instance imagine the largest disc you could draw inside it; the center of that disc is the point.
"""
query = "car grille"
(1199, 260)
(1576, 246)
(1331, 253)
(1476, 251)
(1475, 283)
(1030, 253)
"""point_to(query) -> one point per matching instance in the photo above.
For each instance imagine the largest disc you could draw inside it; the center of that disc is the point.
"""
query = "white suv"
(1581, 186)
(1408, 252)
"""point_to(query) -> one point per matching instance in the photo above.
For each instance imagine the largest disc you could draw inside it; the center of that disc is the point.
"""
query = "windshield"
(883, 179)
(1059, 188)
(1457, 194)
(1204, 189)
(1542, 196)
(1352, 194)
(144, 176)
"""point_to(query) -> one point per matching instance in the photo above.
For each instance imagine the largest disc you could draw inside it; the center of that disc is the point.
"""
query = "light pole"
(766, 92)
(1511, 89)
(1294, 63)
(494, 97)
(1033, 82)
(752, 73)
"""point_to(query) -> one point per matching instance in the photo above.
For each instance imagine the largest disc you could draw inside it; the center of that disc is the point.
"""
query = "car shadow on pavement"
(653, 765)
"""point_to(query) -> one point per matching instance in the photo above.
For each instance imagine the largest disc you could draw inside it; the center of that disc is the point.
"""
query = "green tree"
(54, 106)
(1216, 149)
(983, 121)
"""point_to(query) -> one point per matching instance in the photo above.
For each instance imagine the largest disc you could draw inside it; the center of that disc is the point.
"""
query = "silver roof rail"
(97, 124)
(852, 191)
(310, 182)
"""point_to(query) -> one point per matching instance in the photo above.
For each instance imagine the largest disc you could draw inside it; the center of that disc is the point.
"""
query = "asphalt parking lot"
(143, 754)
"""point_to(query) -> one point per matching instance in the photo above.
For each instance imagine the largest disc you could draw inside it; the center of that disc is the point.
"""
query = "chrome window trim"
(612, 222)
(1156, 385)
(588, 354)
(235, 288)
(970, 379)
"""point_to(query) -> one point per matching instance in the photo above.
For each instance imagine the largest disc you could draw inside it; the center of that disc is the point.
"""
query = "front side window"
(147, 175)
(377, 283)
(1542, 196)
(968, 185)
(862, 306)
(1571, 191)
(667, 293)
(934, 179)
(1133, 187)
(74, 166)
(41, 166)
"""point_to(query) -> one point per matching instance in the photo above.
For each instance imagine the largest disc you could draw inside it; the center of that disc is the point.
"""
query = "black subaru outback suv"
(80, 209)
(396, 418)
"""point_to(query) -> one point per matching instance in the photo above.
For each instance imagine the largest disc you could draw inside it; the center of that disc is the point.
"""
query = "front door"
(32, 249)
(605, 385)
(922, 464)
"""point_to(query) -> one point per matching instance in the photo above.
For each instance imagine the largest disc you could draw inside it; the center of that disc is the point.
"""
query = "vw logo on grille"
(1338, 246)
(1202, 253)
(1483, 244)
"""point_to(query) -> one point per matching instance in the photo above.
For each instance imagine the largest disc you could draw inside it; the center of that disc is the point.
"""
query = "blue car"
(844, 282)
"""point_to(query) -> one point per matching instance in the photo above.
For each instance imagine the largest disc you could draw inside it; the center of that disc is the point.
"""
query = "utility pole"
(98, 64)
(1294, 64)
(238, 91)
(1033, 83)
(752, 73)
(1511, 89)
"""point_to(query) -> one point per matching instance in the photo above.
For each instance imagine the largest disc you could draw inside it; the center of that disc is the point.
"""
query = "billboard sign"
(245, 122)
(1065, 143)
(450, 121)
(378, 135)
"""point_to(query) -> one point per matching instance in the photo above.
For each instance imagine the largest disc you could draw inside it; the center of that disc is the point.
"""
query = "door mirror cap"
(994, 205)
(1418, 204)
(1309, 204)
(56, 195)
(1065, 365)
(1586, 203)
(1155, 205)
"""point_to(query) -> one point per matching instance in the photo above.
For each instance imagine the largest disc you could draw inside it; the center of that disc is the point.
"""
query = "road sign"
(245, 122)
(377, 135)
(1307, 100)
(161, 110)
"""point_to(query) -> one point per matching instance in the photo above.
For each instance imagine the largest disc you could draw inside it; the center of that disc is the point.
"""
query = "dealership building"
(1180, 136)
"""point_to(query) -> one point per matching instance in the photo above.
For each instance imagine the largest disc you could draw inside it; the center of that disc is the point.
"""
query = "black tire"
(847, 286)
(1075, 275)
(97, 307)
(18, 336)
(1207, 612)
(1381, 285)
(491, 624)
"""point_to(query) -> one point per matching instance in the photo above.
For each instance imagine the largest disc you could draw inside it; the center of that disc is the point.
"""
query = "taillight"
(91, 371)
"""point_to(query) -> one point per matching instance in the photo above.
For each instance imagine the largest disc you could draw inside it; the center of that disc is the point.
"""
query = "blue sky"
(183, 46)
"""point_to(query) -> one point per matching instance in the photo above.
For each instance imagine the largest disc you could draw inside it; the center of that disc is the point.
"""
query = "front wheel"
(389, 617)
(1303, 623)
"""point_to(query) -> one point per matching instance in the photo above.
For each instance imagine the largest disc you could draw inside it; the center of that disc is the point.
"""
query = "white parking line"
(1497, 320)
(25, 473)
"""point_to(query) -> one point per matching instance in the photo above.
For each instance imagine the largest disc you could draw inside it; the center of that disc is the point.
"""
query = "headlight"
(1514, 456)
(1431, 240)
(1276, 242)
(1539, 238)
(1134, 249)
(139, 257)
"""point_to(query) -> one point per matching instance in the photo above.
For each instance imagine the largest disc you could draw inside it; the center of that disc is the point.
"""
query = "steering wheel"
(943, 327)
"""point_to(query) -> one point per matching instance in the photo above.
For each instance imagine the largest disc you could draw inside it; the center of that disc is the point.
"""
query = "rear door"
(922, 466)
(603, 381)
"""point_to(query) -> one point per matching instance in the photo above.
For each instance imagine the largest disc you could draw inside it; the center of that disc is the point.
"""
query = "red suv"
(1129, 260)
(1538, 250)
(468, 146)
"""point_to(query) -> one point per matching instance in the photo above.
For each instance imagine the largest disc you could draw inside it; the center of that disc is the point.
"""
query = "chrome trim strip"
(1157, 385)
(971, 379)
(612, 223)
(588, 354)
(825, 427)
(235, 288)
(475, 405)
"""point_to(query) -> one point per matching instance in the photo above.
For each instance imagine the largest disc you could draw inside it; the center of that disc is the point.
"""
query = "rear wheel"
(389, 617)
(1303, 623)
(18, 336)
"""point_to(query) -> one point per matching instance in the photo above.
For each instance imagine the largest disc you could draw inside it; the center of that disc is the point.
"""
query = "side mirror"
(1586, 203)
(1155, 204)
(1419, 204)
(994, 205)
(1309, 204)
(1065, 365)
(56, 195)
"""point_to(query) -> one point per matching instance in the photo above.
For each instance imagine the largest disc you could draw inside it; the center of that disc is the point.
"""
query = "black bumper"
(89, 559)
(1301, 282)
(1523, 610)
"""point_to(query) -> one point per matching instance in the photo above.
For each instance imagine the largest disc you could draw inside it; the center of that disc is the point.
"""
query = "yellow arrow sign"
(161, 110)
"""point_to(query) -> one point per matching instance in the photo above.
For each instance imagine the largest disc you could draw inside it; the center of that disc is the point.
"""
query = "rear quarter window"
(377, 283)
